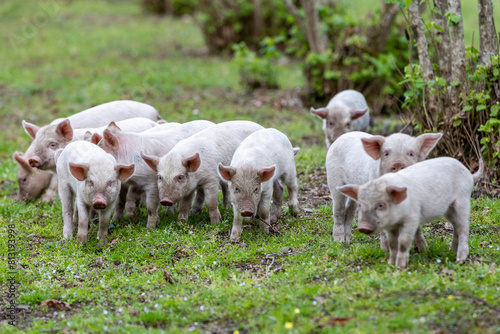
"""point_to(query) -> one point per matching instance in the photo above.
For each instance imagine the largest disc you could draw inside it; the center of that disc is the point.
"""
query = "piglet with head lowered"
(126, 147)
(359, 157)
(262, 160)
(92, 178)
(399, 203)
(192, 165)
(347, 111)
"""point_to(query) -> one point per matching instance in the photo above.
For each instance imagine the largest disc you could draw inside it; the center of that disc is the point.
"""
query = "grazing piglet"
(347, 111)
(262, 160)
(359, 157)
(92, 178)
(34, 182)
(400, 202)
(126, 148)
(192, 165)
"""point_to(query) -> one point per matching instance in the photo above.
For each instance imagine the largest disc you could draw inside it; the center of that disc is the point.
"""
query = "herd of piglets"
(118, 156)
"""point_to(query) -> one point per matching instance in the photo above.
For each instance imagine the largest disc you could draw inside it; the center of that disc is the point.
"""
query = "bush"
(255, 72)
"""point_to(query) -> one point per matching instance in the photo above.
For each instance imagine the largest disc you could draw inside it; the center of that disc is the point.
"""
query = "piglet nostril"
(397, 167)
(35, 161)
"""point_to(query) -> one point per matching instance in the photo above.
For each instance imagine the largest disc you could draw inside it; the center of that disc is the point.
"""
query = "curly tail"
(477, 175)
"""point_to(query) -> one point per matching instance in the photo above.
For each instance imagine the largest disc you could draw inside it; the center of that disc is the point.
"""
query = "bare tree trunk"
(292, 9)
(458, 74)
(443, 46)
(258, 19)
(378, 34)
(417, 26)
(487, 32)
(316, 39)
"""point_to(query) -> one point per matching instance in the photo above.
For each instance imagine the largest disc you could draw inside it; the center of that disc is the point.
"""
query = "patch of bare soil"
(315, 190)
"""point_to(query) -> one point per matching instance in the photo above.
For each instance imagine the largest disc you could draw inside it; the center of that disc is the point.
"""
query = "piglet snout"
(99, 202)
(365, 227)
(35, 161)
(397, 167)
(165, 201)
(246, 213)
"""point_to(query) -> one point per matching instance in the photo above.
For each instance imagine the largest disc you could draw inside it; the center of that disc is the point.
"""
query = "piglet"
(92, 178)
(127, 147)
(262, 160)
(347, 111)
(33, 182)
(358, 157)
(192, 165)
(399, 203)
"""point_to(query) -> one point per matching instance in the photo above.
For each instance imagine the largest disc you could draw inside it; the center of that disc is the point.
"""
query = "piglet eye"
(256, 190)
(386, 154)
(160, 178)
(90, 183)
(52, 145)
(411, 154)
(25, 179)
(381, 206)
(330, 123)
(237, 190)
(180, 178)
(348, 124)
(111, 183)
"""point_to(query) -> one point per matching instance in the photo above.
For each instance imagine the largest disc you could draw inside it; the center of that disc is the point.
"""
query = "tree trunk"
(458, 74)
(379, 33)
(316, 39)
(292, 9)
(417, 26)
(443, 46)
(258, 19)
(487, 32)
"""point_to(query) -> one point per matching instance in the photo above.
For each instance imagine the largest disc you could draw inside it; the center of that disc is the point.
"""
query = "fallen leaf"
(56, 304)
(168, 277)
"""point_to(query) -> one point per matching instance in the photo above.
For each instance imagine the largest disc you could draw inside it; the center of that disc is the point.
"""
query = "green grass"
(297, 281)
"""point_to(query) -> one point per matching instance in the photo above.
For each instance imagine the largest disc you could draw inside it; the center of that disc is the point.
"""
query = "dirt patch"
(314, 192)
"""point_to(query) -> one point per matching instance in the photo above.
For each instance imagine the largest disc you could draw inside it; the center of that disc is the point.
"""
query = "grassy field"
(191, 278)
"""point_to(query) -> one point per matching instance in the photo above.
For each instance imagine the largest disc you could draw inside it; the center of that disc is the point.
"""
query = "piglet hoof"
(215, 219)
(103, 241)
(274, 218)
(294, 209)
(81, 239)
(235, 235)
(48, 198)
(150, 225)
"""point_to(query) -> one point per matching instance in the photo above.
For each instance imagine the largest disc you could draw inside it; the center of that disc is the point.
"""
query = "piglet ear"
(79, 171)
(350, 191)
(21, 161)
(226, 172)
(266, 173)
(373, 146)
(320, 112)
(151, 160)
(58, 154)
(398, 194)
(192, 163)
(296, 150)
(112, 126)
(87, 136)
(31, 129)
(124, 171)
(65, 130)
(357, 113)
(427, 142)
(96, 138)
(110, 140)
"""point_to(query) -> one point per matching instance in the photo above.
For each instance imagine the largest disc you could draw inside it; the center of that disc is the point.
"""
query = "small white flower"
(142, 294)
(105, 311)
(409, 273)
(196, 324)
(161, 296)
(313, 256)
(315, 302)
(190, 232)
(55, 312)
(120, 310)
(202, 308)
(185, 298)
(215, 262)
(196, 111)
(438, 260)
(146, 310)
